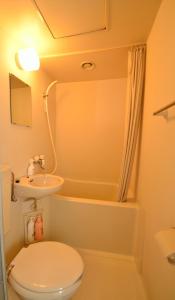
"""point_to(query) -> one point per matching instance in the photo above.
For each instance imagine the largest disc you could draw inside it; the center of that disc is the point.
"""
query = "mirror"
(20, 102)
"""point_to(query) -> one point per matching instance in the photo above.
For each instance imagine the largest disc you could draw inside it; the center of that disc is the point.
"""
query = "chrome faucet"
(37, 159)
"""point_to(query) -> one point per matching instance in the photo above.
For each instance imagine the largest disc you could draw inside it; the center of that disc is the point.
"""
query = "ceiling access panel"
(66, 18)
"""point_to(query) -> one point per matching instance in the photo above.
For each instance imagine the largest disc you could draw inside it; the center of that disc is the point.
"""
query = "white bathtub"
(94, 224)
(91, 190)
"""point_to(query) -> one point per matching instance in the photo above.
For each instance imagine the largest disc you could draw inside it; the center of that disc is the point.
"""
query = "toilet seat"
(47, 267)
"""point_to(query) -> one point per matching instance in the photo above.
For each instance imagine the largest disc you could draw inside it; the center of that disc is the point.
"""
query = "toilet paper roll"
(166, 242)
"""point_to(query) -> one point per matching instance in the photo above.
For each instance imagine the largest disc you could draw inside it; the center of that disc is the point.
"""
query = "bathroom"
(117, 241)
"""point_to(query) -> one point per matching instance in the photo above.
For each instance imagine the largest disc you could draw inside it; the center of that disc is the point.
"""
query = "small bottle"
(38, 231)
(30, 230)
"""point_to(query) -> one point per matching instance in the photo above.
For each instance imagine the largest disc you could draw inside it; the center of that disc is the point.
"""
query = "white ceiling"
(130, 22)
(108, 64)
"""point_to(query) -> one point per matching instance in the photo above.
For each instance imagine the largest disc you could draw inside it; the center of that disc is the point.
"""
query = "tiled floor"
(106, 277)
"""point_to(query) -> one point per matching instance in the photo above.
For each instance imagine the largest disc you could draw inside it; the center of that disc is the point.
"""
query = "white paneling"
(94, 225)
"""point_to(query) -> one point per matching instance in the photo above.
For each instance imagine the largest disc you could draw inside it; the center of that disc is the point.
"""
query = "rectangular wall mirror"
(20, 102)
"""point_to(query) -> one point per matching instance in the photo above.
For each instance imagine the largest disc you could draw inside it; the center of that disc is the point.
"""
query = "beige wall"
(19, 143)
(90, 129)
(156, 189)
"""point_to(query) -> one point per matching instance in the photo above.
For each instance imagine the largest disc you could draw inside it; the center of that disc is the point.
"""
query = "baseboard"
(117, 256)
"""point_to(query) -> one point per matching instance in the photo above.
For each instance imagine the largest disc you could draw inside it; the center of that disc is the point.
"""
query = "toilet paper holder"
(13, 197)
(171, 259)
(166, 242)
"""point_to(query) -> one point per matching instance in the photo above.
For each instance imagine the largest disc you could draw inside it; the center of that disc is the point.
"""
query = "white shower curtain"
(136, 72)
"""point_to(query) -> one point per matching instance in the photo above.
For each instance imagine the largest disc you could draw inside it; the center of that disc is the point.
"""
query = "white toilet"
(46, 271)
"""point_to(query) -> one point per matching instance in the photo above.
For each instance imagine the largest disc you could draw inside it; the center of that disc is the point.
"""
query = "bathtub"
(95, 224)
(107, 191)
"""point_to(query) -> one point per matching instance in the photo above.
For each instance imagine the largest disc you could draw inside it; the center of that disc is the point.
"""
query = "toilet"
(46, 271)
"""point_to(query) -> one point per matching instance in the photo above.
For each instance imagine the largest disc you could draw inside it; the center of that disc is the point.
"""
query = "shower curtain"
(135, 88)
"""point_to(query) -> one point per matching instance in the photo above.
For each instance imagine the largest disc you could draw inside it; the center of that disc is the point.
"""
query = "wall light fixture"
(28, 59)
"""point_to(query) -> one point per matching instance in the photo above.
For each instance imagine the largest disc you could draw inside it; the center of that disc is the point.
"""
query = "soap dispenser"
(30, 169)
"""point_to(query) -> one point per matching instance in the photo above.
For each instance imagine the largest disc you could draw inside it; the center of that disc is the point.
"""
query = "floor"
(107, 277)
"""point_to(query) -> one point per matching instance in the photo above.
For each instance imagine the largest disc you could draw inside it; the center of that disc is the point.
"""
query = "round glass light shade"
(28, 59)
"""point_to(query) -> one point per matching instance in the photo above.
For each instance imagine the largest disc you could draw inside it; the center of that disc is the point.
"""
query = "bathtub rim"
(130, 194)
(127, 204)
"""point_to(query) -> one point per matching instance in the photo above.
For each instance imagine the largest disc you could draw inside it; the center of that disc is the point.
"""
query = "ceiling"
(110, 63)
(71, 18)
(129, 22)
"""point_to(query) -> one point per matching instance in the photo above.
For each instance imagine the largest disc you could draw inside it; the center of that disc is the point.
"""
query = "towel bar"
(164, 108)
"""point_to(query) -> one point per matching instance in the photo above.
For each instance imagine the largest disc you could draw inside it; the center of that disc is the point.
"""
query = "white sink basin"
(38, 186)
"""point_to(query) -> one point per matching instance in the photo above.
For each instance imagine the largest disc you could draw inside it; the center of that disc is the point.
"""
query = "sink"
(38, 186)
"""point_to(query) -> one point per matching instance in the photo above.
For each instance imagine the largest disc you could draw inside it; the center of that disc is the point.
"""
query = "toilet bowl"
(46, 271)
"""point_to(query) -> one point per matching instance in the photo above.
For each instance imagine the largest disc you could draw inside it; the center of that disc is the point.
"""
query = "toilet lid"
(47, 267)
